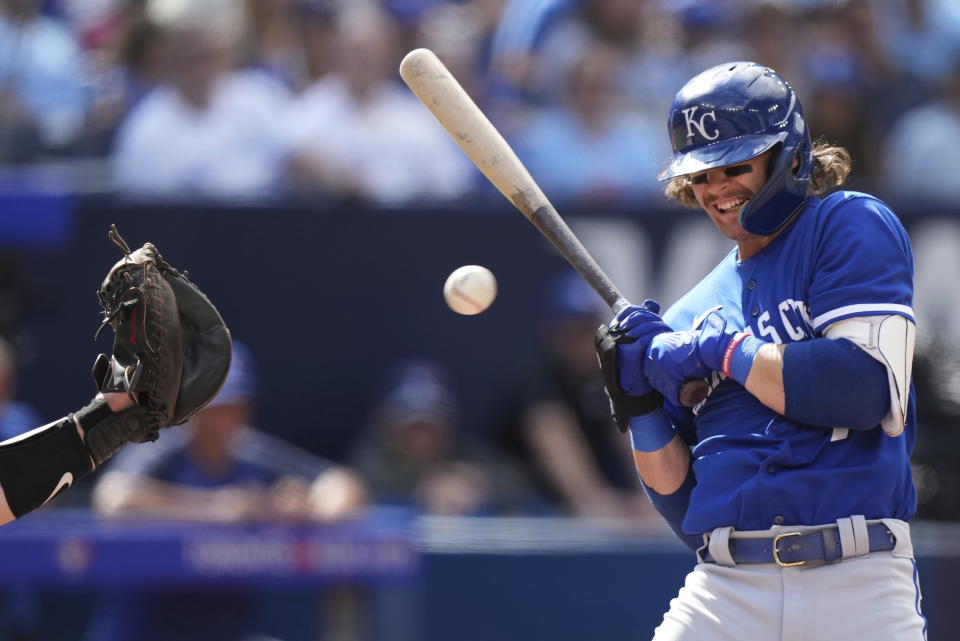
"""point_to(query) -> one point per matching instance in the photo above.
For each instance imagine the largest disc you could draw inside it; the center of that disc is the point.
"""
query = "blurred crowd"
(260, 99)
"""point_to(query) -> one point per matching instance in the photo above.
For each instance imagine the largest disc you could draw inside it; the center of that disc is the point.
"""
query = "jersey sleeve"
(863, 264)
(673, 508)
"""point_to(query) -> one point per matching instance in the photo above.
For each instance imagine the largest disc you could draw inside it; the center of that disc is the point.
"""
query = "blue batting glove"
(727, 351)
(713, 341)
(621, 349)
(638, 324)
(677, 357)
(672, 359)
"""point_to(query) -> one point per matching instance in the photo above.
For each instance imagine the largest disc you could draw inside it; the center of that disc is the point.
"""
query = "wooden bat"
(440, 92)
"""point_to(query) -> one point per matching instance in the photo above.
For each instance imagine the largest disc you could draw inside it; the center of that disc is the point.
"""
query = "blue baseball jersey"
(845, 255)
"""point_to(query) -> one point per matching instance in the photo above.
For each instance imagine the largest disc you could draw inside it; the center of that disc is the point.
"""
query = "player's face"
(724, 190)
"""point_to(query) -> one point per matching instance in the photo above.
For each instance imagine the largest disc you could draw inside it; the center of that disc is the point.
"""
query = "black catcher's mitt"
(171, 352)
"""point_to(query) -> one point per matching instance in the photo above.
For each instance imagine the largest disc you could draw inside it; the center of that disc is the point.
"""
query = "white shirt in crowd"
(230, 150)
(390, 143)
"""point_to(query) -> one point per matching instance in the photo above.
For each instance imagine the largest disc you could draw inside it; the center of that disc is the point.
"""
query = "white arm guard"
(888, 339)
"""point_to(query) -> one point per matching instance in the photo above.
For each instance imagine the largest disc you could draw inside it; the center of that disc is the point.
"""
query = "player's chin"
(728, 222)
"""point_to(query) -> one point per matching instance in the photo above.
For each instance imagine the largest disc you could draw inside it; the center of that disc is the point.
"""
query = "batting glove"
(622, 347)
(677, 357)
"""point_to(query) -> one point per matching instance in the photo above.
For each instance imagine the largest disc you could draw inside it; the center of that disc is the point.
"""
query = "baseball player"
(170, 357)
(791, 478)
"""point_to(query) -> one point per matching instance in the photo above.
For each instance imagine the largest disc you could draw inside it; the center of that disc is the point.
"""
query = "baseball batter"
(791, 479)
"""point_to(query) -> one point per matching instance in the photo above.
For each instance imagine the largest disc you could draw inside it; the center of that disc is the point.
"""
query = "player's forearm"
(823, 382)
(766, 377)
(668, 480)
(664, 470)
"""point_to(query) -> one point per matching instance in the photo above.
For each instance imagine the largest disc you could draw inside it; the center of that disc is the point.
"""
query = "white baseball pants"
(872, 597)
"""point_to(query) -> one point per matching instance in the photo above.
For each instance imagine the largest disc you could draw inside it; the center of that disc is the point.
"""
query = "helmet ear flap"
(772, 159)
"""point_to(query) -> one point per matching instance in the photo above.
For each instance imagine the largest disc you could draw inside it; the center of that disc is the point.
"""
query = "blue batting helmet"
(734, 112)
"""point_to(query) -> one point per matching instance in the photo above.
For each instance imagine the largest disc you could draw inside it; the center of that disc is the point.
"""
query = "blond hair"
(831, 166)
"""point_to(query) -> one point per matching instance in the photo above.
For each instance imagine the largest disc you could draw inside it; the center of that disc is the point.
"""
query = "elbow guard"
(834, 383)
(888, 340)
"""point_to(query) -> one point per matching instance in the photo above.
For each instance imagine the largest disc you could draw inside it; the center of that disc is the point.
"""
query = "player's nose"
(717, 181)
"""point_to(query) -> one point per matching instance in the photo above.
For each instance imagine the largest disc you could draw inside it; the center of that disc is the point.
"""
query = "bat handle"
(694, 392)
(619, 305)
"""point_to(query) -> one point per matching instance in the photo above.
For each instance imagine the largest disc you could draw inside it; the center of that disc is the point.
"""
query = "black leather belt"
(797, 548)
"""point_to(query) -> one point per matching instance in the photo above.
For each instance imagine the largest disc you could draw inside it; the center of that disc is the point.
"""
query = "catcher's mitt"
(172, 349)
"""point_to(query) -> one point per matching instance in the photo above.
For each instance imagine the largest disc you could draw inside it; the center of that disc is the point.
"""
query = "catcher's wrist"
(651, 432)
(117, 401)
(105, 431)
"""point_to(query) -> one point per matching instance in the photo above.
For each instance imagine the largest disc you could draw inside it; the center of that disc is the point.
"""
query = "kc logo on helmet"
(692, 122)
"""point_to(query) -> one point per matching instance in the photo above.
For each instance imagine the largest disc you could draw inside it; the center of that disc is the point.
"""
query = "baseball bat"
(440, 92)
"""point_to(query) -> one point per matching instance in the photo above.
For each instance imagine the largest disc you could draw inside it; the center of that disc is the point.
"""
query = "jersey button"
(772, 469)
(754, 310)
(751, 284)
(778, 520)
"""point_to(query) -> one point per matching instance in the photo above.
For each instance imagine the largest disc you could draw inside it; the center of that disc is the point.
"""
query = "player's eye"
(737, 170)
(699, 179)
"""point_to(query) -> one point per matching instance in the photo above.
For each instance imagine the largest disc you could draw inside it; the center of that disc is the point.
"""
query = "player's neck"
(752, 245)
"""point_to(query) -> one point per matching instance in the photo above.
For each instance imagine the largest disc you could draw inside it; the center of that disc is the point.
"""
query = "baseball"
(470, 289)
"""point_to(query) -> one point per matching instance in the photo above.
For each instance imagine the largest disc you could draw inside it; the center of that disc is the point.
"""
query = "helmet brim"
(720, 154)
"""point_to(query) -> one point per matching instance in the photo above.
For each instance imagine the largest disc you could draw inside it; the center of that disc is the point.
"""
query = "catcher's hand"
(171, 352)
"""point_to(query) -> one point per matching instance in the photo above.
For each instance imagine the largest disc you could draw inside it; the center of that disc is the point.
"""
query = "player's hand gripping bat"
(436, 88)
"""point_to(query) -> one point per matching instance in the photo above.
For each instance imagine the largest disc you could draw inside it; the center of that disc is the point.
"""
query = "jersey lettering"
(768, 330)
(692, 122)
(794, 332)
(794, 319)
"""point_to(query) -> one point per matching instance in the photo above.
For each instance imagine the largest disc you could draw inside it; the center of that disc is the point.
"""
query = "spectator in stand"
(317, 22)
(919, 156)
(884, 85)
(43, 83)
(855, 90)
(358, 133)
(130, 59)
(922, 36)
(220, 468)
(836, 109)
(274, 41)
(217, 468)
(641, 31)
(209, 131)
(593, 148)
(559, 426)
(415, 454)
(774, 33)
(709, 33)
(456, 33)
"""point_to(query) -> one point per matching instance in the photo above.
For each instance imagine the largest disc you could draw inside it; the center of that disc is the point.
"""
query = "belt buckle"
(776, 550)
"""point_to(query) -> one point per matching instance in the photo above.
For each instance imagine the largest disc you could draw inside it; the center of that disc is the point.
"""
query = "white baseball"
(470, 289)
